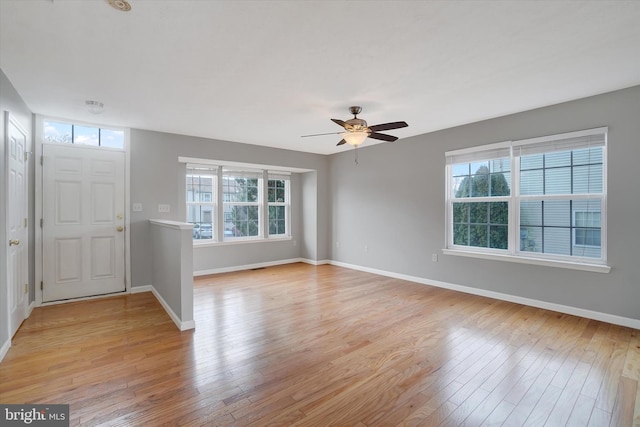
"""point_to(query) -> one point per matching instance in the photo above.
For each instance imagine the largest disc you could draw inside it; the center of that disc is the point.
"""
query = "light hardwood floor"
(318, 346)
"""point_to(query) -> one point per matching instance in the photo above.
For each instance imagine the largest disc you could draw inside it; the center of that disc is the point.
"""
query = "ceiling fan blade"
(338, 122)
(382, 137)
(388, 126)
(342, 123)
(320, 134)
(341, 142)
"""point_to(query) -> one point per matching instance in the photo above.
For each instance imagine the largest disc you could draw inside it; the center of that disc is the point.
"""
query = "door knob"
(120, 228)
(14, 242)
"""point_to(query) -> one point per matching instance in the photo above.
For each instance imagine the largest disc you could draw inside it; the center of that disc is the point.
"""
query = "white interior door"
(83, 222)
(17, 254)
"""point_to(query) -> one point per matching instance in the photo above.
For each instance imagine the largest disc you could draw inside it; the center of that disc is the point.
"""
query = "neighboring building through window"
(251, 204)
(241, 194)
(540, 197)
(201, 200)
(278, 204)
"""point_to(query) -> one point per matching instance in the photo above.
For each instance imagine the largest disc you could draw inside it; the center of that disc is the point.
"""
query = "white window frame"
(513, 253)
(259, 203)
(75, 125)
(208, 170)
(263, 172)
(286, 177)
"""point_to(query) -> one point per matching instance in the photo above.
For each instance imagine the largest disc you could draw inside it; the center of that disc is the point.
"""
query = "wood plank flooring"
(301, 345)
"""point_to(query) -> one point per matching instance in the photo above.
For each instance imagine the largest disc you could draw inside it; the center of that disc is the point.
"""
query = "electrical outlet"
(434, 257)
(366, 248)
(338, 245)
(164, 208)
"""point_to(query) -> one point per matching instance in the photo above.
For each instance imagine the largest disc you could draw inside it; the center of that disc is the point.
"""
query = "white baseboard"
(183, 326)
(139, 289)
(5, 349)
(246, 267)
(30, 309)
(315, 262)
(575, 311)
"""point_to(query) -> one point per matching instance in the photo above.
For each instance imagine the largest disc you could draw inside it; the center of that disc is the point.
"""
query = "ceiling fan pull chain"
(356, 155)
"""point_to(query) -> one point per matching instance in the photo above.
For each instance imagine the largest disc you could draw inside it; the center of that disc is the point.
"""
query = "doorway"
(17, 222)
(83, 221)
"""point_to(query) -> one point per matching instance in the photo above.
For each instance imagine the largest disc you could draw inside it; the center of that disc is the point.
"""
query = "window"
(242, 195)
(236, 202)
(201, 206)
(278, 204)
(586, 229)
(542, 198)
(68, 133)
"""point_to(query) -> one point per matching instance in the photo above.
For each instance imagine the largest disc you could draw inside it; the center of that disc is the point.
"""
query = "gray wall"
(309, 218)
(393, 202)
(11, 101)
(172, 268)
(157, 177)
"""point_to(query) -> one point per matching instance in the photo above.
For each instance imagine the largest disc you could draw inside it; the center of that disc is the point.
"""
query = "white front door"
(17, 254)
(83, 222)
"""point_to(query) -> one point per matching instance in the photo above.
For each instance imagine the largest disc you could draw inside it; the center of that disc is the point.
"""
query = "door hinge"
(26, 222)
(41, 221)
(26, 288)
(26, 156)
(41, 285)
(41, 160)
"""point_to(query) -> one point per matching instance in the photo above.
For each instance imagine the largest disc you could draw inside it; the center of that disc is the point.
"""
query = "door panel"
(83, 209)
(17, 253)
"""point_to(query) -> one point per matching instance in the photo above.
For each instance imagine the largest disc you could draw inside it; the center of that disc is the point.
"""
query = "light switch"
(164, 208)
(137, 207)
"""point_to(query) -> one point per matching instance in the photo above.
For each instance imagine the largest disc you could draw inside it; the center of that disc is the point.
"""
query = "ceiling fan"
(356, 130)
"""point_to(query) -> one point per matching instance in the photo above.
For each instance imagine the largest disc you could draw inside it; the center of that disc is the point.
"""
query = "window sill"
(596, 268)
(240, 242)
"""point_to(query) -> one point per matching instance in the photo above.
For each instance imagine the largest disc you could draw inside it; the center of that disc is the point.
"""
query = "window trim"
(247, 175)
(277, 175)
(513, 253)
(213, 203)
(74, 124)
(265, 170)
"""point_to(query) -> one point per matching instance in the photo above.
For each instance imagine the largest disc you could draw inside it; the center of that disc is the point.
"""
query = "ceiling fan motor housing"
(357, 125)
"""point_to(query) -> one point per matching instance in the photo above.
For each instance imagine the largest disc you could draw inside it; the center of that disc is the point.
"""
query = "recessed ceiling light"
(94, 107)
(121, 5)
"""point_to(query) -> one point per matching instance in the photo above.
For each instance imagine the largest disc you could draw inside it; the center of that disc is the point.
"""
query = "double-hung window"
(540, 198)
(236, 202)
(201, 200)
(242, 196)
(480, 198)
(278, 203)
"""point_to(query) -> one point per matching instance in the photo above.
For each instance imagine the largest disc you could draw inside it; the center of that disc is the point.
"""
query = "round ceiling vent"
(121, 5)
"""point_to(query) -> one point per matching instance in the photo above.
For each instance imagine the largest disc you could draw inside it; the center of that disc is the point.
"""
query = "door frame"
(11, 120)
(38, 142)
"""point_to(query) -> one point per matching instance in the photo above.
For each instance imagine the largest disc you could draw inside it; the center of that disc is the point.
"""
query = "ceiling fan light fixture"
(355, 138)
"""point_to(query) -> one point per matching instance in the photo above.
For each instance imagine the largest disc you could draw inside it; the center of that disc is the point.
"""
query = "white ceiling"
(267, 72)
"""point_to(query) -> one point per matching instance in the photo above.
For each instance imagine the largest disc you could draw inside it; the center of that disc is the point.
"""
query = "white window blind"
(566, 142)
(493, 151)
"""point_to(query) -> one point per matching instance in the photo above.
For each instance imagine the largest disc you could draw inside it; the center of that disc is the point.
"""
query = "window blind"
(591, 138)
